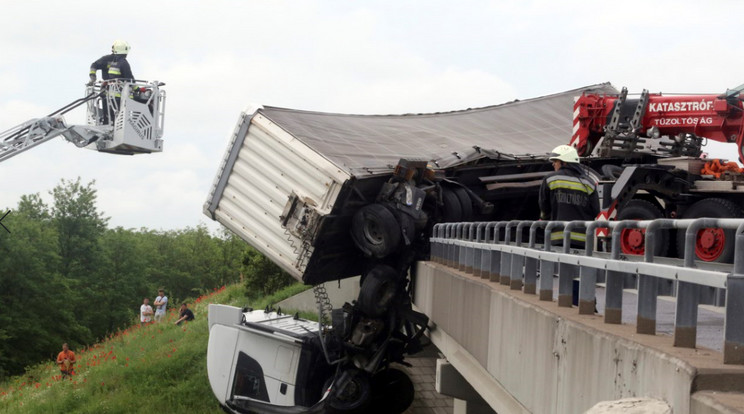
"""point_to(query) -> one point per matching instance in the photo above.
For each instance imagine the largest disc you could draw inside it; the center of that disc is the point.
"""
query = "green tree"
(66, 277)
(262, 276)
(79, 227)
(35, 316)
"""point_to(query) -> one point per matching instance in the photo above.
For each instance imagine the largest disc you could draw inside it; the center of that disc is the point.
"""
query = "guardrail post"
(452, 248)
(688, 294)
(469, 247)
(496, 255)
(486, 256)
(588, 275)
(530, 263)
(435, 243)
(547, 267)
(478, 251)
(515, 281)
(733, 328)
(506, 256)
(615, 280)
(462, 234)
(567, 271)
(648, 286)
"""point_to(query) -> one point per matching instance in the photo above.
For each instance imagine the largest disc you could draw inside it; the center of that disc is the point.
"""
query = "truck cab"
(265, 361)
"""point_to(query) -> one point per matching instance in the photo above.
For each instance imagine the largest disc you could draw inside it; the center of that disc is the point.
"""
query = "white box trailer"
(291, 180)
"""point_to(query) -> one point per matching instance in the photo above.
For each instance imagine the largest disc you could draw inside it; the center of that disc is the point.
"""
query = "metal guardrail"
(486, 249)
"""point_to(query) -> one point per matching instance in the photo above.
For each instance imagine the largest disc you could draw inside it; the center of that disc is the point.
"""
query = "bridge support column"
(449, 382)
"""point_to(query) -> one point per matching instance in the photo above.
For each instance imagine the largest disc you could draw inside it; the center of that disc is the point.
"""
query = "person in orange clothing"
(66, 361)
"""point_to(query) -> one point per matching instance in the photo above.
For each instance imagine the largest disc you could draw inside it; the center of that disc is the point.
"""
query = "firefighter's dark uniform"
(569, 194)
(112, 66)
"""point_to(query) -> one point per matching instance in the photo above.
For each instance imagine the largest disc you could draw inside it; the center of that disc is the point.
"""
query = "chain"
(323, 302)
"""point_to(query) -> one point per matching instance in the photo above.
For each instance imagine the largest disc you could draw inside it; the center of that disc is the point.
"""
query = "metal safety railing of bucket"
(486, 249)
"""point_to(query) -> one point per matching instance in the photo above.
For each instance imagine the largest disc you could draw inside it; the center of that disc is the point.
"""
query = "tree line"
(66, 277)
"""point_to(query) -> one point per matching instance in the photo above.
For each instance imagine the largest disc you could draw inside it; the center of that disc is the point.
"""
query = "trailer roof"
(368, 144)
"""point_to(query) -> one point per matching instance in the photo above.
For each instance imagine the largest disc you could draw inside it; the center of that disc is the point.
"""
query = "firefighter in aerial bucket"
(113, 66)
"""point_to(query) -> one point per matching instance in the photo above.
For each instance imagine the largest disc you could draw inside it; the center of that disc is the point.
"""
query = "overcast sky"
(366, 57)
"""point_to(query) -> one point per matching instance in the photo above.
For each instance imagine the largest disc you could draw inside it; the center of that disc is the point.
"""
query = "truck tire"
(392, 392)
(712, 244)
(452, 207)
(466, 203)
(375, 230)
(632, 241)
(407, 226)
(353, 394)
(378, 290)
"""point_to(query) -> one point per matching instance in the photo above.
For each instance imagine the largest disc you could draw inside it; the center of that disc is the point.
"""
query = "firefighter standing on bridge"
(568, 194)
(113, 66)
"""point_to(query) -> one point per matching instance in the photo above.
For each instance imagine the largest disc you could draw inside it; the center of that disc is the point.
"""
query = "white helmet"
(565, 153)
(120, 47)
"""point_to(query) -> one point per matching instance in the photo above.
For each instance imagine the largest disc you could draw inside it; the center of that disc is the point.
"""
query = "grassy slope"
(156, 368)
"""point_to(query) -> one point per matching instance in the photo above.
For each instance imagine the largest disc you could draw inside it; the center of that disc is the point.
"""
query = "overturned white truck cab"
(330, 196)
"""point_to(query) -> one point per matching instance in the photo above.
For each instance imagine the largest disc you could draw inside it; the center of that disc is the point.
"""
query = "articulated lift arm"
(136, 110)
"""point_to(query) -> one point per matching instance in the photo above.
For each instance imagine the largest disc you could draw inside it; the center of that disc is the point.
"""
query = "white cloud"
(372, 57)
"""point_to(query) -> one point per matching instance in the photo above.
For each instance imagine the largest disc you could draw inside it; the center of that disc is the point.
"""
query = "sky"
(369, 57)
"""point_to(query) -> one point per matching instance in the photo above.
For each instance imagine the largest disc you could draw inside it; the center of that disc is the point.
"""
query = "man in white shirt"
(145, 312)
(161, 302)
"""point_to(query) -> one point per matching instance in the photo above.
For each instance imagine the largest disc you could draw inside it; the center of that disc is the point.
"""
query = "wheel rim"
(633, 241)
(709, 244)
(372, 232)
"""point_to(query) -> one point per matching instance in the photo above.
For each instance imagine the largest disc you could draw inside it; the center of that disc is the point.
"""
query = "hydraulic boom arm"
(136, 112)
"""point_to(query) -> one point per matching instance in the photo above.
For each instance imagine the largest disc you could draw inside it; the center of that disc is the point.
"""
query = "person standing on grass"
(185, 314)
(161, 303)
(145, 312)
(66, 361)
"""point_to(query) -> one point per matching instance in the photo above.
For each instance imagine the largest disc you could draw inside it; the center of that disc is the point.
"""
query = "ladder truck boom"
(135, 109)
(618, 126)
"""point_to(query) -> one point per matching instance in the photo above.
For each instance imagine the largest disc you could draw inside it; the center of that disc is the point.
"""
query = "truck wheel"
(407, 227)
(452, 207)
(392, 392)
(352, 394)
(375, 230)
(466, 203)
(712, 244)
(633, 241)
(378, 290)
